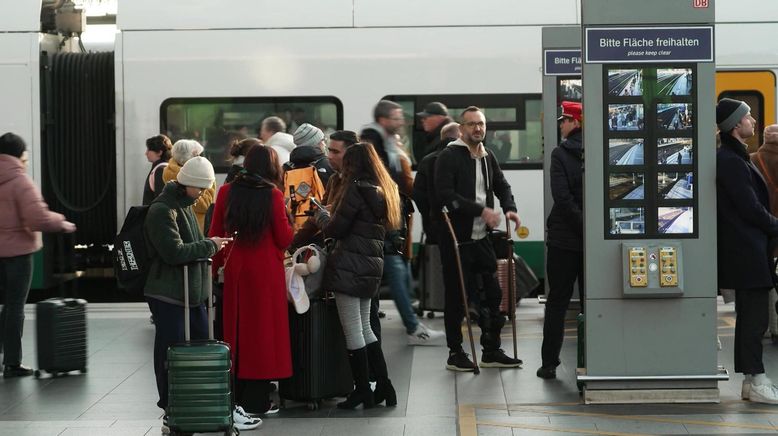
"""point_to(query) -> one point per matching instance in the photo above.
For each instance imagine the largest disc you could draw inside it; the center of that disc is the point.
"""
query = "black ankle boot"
(384, 391)
(362, 393)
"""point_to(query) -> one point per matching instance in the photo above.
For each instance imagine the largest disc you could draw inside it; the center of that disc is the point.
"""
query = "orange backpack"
(300, 185)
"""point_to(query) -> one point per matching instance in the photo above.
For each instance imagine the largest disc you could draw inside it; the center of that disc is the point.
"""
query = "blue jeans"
(15, 279)
(398, 272)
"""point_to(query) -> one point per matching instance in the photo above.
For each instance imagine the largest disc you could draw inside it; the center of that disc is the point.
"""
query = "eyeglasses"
(471, 124)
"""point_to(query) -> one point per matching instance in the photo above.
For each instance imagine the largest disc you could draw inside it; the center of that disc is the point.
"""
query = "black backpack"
(130, 257)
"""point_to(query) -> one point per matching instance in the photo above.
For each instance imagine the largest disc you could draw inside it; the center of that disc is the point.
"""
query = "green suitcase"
(199, 379)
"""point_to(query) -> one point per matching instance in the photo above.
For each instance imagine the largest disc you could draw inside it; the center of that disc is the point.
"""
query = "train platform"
(117, 396)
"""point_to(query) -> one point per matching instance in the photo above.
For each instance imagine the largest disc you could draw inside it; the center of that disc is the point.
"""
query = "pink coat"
(23, 213)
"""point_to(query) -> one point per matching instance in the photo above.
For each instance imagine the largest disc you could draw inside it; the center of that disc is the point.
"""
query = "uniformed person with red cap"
(564, 264)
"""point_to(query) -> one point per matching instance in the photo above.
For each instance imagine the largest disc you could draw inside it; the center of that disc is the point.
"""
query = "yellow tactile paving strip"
(468, 421)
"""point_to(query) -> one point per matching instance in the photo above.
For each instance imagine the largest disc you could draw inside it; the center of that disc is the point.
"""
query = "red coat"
(256, 322)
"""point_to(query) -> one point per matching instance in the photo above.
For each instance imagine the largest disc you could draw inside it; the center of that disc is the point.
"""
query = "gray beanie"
(729, 112)
(197, 172)
(185, 149)
(308, 134)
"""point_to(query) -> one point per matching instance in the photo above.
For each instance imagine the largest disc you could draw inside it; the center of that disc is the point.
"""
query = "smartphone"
(317, 203)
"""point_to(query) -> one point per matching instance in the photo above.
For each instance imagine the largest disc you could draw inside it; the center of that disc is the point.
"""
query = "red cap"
(571, 109)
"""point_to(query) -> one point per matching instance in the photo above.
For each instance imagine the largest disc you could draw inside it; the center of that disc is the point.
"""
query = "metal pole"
(511, 284)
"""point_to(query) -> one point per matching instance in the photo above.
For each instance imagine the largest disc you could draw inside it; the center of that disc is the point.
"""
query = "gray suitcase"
(432, 292)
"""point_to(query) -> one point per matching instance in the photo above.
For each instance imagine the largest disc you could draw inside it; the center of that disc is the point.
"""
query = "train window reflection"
(625, 151)
(674, 151)
(215, 122)
(674, 116)
(625, 117)
(626, 186)
(673, 81)
(627, 220)
(676, 220)
(625, 82)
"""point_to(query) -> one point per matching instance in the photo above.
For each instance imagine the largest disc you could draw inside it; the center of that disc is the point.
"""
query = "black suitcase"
(319, 361)
(432, 292)
(60, 325)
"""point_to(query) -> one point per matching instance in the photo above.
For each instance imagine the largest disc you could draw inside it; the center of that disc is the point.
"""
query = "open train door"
(757, 89)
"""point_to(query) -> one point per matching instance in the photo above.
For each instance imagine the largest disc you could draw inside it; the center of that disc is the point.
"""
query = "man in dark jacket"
(564, 225)
(467, 177)
(745, 227)
(433, 118)
(382, 133)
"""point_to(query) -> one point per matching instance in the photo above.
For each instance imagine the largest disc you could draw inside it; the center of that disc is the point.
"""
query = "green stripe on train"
(531, 251)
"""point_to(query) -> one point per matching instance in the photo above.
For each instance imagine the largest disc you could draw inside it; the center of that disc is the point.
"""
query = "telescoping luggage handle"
(209, 288)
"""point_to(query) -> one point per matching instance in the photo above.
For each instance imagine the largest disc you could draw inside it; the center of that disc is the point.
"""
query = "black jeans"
(563, 267)
(169, 325)
(15, 280)
(479, 267)
(751, 322)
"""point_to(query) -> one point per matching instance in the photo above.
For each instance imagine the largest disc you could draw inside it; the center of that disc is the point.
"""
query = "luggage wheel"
(419, 313)
(37, 373)
(431, 315)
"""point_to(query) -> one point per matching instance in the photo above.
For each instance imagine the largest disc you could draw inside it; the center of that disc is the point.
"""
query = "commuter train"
(203, 69)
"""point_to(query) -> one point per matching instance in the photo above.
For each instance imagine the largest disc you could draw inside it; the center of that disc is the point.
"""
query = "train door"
(757, 89)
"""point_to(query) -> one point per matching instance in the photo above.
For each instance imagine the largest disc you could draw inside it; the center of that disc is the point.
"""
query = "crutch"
(511, 284)
(462, 287)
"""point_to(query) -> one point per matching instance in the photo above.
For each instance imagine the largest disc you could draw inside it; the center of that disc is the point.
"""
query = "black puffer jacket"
(356, 263)
(565, 222)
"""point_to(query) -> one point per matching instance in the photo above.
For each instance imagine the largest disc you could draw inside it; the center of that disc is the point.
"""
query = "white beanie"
(185, 149)
(308, 135)
(197, 172)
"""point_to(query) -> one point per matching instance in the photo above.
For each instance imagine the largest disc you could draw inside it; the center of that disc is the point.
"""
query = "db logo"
(700, 3)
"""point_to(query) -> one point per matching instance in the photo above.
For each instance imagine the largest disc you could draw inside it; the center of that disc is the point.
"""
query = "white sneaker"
(766, 393)
(243, 421)
(425, 336)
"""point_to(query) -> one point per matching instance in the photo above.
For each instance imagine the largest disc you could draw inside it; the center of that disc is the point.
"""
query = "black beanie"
(12, 144)
(729, 112)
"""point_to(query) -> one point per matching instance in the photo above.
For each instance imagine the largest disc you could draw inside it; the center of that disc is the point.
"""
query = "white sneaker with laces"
(243, 421)
(425, 336)
(767, 393)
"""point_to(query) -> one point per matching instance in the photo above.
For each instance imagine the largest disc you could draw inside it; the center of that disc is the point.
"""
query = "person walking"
(745, 227)
(564, 264)
(23, 216)
(256, 323)
(366, 206)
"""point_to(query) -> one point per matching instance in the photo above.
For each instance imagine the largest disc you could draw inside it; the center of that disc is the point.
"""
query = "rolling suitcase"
(320, 366)
(60, 327)
(432, 293)
(199, 378)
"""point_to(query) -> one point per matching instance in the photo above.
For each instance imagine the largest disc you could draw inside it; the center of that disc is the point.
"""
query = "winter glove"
(322, 217)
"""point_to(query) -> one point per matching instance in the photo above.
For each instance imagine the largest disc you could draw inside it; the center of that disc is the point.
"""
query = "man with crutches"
(467, 178)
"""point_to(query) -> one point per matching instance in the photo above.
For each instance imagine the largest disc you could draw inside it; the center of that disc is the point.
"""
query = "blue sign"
(649, 44)
(562, 63)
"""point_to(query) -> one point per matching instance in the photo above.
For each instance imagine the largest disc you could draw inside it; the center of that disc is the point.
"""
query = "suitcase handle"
(209, 289)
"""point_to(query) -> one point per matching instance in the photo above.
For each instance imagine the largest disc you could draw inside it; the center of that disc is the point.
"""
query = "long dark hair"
(249, 204)
(361, 162)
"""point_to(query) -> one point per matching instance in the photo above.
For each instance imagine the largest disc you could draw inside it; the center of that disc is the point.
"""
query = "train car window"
(215, 122)
(514, 130)
(755, 99)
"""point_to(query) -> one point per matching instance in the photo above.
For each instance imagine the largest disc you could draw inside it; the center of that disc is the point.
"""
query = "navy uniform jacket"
(745, 224)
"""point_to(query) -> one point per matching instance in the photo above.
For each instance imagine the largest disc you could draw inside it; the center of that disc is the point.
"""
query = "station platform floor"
(117, 396)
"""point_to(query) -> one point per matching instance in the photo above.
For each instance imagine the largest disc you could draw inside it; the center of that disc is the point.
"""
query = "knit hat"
(197, 172)
(12, 144)
(571, 109)
(729, 112)
(185, 149)
(309, 135)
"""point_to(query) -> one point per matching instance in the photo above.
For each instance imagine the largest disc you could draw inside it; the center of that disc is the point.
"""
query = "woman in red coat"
(256, 323)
